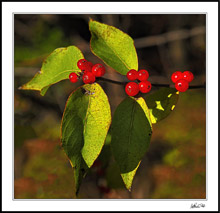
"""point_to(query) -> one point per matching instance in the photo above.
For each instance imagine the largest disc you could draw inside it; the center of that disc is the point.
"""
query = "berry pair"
(182, 80)
(90, 72)
(133, 88)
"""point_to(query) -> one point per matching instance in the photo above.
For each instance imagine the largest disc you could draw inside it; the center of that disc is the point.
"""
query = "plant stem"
(155, 85)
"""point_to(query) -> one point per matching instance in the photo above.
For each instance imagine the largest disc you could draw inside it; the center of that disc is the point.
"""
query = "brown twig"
(155, 85)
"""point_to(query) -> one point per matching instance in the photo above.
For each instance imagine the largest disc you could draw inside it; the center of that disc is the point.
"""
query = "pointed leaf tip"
(84, 127)
(56, 67)
(130, 138)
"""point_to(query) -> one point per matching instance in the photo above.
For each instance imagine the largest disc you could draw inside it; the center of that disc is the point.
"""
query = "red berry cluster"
(143, 86)
(182, 79)
(90, 72)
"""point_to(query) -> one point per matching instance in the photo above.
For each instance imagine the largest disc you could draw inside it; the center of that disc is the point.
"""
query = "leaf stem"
(155, 85)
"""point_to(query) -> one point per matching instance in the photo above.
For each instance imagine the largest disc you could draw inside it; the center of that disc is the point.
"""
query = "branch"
(168, 37)
(155, 85)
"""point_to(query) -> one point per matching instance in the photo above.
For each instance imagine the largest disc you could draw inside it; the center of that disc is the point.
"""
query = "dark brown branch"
(155, 85)
(111, 81)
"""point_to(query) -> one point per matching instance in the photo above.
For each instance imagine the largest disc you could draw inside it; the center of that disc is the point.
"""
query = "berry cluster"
(90, 72)
(143, 86)
(182, 79)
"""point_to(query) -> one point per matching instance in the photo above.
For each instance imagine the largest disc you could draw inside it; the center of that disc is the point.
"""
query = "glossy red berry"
(82, 64)
(73, 77)
(98, 70)
(145, 86)
(132, 75)
(143, 75)
(88, 67)
(132, 88)
(182, 85)
(188, 76)
(88, 78)
(176, 76)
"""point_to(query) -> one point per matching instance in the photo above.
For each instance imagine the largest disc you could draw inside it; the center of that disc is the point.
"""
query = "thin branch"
(111, 81)
(156, 40)
(168, 37)
(155, 85)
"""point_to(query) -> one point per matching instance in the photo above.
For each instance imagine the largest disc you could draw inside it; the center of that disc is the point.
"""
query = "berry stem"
(155, 85)
(111, 81)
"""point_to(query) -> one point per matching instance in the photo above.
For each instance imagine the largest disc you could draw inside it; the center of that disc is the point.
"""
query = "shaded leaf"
(57, 66)
(113, 46)
(131, 133)
(85, 124)
(161, 103)
(113, 177)
(106, 153)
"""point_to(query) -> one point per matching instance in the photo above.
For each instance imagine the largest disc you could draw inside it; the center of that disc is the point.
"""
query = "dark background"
(175, 164)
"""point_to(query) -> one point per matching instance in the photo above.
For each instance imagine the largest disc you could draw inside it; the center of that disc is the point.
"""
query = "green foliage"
(85, 125)
(161, 103)
(113, 46)
(106, 154)
(58, 65)
(131, 133)
(113, 177)
(87, 116)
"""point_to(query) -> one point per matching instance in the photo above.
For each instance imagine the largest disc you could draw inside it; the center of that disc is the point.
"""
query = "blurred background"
(174, 166)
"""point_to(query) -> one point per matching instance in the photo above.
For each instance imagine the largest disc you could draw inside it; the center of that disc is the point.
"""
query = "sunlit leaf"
(57, 66)
(85, 125)
(161, 103)
(113, 46)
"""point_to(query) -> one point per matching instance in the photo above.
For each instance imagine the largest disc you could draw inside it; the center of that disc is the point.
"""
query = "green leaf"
(84, 127)
(131, 133)
(113, 177)
(57, 66)
(113, 46)
(161, 103)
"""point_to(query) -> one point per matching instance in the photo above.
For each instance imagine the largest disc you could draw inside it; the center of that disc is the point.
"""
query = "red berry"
(88, 78)
(182, 85)
(132, 88)
(143, 75)
(98, 70)
(88, 66)
(81, 64)
(73, 77)
(145, 86)
(132, 75)
(188, 76)
(176, 76)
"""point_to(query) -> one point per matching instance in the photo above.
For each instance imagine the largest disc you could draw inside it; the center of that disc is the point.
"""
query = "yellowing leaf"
(57, 66)
(85, 125)
(113, 46)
